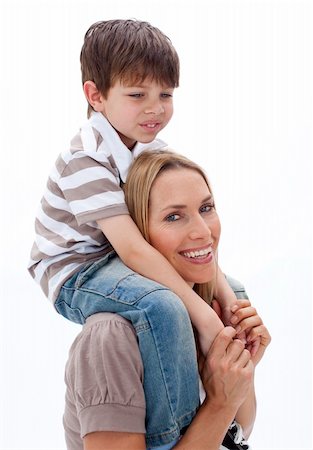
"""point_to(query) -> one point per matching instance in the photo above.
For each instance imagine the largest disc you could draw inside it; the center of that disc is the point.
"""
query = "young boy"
(129, 72)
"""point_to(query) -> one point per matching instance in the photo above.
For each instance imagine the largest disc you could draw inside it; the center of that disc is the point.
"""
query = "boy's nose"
(154, 108)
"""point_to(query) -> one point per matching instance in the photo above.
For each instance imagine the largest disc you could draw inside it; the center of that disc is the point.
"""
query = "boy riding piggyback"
(88, 255)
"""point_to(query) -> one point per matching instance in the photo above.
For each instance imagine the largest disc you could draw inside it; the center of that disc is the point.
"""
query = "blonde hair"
(141, 176)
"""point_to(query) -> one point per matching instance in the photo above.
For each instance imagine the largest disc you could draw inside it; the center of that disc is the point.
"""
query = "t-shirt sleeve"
(91, 186)
(104, 377)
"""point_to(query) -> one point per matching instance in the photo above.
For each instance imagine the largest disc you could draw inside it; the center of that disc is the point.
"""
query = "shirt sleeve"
(104, 376)
(91, 186)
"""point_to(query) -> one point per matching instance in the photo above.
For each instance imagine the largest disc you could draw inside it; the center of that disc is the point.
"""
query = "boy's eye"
(172, 218)
(207, 208)
(166, 95)
(137, 95)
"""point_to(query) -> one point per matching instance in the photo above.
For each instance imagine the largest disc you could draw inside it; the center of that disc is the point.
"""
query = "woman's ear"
(93, 96)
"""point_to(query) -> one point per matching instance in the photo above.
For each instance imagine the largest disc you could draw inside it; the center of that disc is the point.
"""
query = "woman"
(171, 201)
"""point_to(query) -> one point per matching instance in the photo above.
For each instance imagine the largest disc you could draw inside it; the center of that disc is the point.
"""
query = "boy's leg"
(164, 333)
(75, 306)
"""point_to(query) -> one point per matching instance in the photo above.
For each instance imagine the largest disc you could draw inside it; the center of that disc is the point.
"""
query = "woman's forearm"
(226, 374)
(208, 428)
(247, 412)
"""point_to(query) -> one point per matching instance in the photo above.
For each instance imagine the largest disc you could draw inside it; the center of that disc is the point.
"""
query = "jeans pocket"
(91, 268)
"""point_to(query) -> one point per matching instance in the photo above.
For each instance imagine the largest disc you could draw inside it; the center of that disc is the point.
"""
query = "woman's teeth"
(197, 253)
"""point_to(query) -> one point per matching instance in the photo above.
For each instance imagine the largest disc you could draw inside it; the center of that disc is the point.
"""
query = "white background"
(243, 110)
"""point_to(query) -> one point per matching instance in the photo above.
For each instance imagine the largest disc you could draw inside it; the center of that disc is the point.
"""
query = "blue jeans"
(164, 332)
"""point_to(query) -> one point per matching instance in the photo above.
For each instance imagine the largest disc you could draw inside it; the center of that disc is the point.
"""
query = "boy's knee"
(167, 307)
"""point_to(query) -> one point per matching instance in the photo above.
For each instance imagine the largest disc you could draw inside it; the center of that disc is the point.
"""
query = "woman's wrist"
(208, 428)
(246, 413)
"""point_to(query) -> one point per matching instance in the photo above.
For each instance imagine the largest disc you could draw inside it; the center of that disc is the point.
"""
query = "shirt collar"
(122, 156)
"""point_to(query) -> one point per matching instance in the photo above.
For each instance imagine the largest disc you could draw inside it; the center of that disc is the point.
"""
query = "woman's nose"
(199, 229)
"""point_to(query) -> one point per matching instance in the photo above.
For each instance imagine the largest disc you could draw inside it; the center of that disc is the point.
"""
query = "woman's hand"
(227, 371)
(246, 319)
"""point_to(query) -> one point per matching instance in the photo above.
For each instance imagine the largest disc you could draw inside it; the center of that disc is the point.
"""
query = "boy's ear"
(93, 96)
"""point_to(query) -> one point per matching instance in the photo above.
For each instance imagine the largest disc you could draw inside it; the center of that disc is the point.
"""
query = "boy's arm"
(227, 291)
(225, 296)
(141, 257)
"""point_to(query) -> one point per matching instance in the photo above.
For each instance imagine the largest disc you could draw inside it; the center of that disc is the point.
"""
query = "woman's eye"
(172, 218)
(207, 208)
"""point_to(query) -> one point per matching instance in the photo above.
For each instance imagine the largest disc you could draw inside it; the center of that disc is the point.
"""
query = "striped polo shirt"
(83, 187)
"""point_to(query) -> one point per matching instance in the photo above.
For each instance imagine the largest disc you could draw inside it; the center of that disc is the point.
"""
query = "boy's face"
(138, 113)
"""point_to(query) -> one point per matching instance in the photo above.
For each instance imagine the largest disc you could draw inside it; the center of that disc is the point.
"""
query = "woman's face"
(183, 224)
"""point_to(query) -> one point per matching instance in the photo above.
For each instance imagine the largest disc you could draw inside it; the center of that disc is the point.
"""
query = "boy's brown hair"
(129, 51)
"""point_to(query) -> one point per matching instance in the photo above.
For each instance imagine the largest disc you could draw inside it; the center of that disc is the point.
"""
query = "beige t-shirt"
(103, 376)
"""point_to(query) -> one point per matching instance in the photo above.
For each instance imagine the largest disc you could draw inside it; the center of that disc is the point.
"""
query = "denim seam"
(59, 302)
(176, 429)
(141, 327)
(84, 277)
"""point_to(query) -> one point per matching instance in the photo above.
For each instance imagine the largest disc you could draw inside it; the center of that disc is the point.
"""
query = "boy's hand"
(226, 314)
(246, 319)
(226, 298)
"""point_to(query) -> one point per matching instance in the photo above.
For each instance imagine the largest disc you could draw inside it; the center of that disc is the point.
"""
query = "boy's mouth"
(151, 126)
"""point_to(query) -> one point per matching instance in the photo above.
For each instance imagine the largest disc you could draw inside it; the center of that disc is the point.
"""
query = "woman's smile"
(198, 257)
